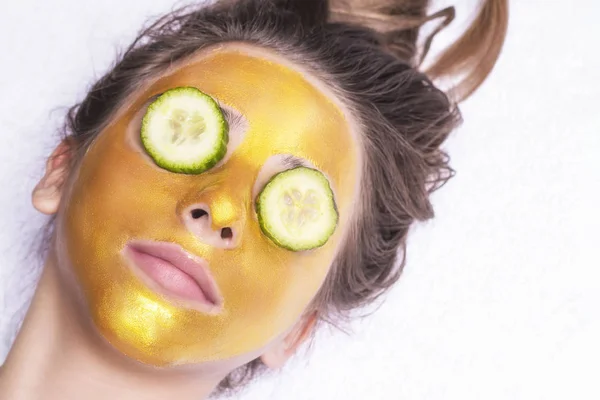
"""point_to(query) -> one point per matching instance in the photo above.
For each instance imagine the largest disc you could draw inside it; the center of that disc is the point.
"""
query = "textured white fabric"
(499, 299)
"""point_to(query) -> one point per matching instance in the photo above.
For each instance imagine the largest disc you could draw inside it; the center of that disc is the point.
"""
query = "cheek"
(275, 282)
(117, 190)
(114, 197)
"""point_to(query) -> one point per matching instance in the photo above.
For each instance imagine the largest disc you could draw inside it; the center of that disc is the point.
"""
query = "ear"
(281, 351)
(47, 193)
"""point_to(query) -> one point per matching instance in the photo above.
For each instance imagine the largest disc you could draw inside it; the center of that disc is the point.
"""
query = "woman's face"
(120, 195)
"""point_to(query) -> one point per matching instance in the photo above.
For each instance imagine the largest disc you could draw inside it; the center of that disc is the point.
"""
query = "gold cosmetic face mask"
(119, 195)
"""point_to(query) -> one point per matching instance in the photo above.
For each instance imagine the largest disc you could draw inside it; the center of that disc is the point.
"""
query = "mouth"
(171, 271)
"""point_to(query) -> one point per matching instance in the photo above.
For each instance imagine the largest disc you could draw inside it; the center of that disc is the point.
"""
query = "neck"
(57, 355)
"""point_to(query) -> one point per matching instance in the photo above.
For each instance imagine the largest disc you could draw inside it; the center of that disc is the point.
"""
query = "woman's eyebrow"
(233, 118)
(290, 161)
(151, 99)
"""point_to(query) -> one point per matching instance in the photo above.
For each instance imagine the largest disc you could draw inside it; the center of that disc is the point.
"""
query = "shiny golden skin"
(119, 195)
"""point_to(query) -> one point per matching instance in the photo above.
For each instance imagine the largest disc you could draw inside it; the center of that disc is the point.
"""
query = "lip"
(168, 269)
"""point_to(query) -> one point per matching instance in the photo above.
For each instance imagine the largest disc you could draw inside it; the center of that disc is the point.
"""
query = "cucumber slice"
(296, 209)
(185, 131)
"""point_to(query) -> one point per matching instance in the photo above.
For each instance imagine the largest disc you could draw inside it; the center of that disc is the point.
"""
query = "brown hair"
(368, 52)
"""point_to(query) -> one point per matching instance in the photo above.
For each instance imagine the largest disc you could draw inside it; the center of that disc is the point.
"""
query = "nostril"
(226, 233)
(198, 213)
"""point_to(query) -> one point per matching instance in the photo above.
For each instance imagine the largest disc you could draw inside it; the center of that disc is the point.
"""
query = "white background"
(500, 296)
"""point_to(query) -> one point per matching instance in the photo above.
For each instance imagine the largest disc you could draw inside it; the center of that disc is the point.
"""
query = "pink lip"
(175, 273)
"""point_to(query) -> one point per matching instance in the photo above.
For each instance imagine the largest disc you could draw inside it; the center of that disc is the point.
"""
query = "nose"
(217, 222)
